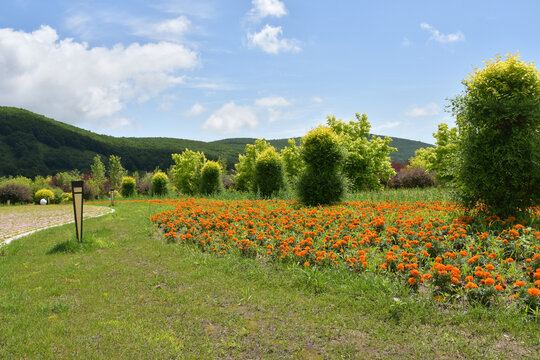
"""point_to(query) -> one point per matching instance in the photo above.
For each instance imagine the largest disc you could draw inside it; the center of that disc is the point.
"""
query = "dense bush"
(46, 194)
(211, 178)
(15, 193)
(366, 163)
(245, 169)
(63, 180)
(128, 186)
(268, 178)
(160, 184)
(67, 197)
(143, 184)
(90, 190)
(187, 171)
(57, 196)
(414, 177)
(321, 182)
(498, 119)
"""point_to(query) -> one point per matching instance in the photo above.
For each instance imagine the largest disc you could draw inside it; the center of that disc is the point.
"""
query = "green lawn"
(127, 294)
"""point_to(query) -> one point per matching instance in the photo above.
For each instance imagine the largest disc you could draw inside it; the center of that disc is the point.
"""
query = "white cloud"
(388, 125)
(268, 40)
(74, 83)
(443, 38)
(170, 29)
(317, 99)
(264, 8)
(406, 42)
(421, 111)
(231, 118)
(272, 102)
(196, 110)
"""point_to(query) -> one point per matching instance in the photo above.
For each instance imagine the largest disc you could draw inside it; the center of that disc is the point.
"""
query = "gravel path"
(19, 220)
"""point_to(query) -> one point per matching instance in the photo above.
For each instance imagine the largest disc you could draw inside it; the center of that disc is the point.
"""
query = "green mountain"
(32, 144)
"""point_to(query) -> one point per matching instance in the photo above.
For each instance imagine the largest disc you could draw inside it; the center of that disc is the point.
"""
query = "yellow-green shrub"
(43, 194)
(128, 186)
(160, 183)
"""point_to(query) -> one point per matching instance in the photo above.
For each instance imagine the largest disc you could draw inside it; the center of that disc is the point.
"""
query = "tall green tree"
(321, 183)
(98, 172)
(116, 171)
(211, 178)
(498, 119)
(268, 178)
(442, 158)
(367, 163)
(187, 171)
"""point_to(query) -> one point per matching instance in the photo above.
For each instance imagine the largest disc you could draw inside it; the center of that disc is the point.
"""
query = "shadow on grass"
(72, 246)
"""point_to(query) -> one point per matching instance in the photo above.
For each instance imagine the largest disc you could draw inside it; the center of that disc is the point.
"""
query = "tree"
(211, 178)
(245, 168)
(442, 158)
(367, 163)
(129, 186)
(116, 171)
(268, 177)
(98, 172)
(321, 182)
(498, 119)
(293, 164)
(160, 183)
(187, 171)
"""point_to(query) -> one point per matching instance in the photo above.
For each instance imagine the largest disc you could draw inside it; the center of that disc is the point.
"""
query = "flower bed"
(428, 245)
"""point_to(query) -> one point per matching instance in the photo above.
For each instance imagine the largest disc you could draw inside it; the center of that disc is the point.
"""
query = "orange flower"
(306, 264)
(533, 292)
(412, 281)
(469, 278)
(428, 245)
(489, 282)
(415, 272)
(471, 285)
(492, 255)
(519, 283)
(498, 287)
(427, 276)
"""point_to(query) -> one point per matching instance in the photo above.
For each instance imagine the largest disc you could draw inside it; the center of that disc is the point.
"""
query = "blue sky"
(207, 70)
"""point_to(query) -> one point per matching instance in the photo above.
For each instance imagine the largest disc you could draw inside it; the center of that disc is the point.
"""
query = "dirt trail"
(17, 220)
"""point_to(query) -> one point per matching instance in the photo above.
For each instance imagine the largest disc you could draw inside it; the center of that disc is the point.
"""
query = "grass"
(125, 293)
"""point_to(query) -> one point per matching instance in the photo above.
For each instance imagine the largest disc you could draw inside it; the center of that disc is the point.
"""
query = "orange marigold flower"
(469, 278)
(463, 253)
(492, 255)
(519, 283)
(427, 276)
(489, 281)
(498, 287)
(533, 292)
(471, 285)
(412, 281)
(415, 272)
(306, 264)
(428, 245)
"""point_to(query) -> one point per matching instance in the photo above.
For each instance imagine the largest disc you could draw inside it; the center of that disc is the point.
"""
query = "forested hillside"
(32, 144)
